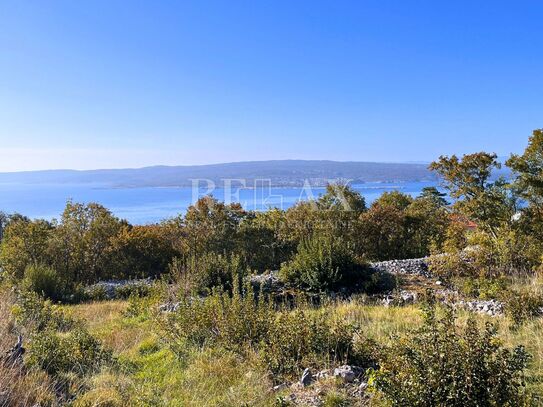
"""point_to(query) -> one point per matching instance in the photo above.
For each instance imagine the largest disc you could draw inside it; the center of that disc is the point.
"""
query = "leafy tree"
(434, 195)
(427, 222)
(382, 232)
(210, 225)
(341, 197)
(25, 243)
(3, 223)
(469, 182)
(259, 244)
(528, 168)
(394, 199)
(528, 184)
(82, 240)
(300, 221)
(139, 251)
(398, 226)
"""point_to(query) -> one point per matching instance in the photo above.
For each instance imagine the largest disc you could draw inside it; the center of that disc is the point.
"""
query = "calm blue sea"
(149, 205)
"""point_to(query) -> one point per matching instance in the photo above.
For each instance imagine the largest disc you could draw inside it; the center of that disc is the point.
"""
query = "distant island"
(280, 173)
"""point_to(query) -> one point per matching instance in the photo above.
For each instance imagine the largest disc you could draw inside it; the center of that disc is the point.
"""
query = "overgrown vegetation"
(442, 364)
(286, 340)
(218, 342)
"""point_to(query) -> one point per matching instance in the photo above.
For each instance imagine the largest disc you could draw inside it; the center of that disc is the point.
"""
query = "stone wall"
(417, 267)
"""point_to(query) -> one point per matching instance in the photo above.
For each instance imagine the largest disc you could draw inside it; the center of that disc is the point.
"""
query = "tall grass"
(150, 373)
(18, 387)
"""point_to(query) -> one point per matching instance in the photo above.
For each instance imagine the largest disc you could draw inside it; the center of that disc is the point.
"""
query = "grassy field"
(150, 373)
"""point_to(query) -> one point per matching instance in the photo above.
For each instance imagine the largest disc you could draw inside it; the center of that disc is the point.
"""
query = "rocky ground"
(312, 386)
(415, 278)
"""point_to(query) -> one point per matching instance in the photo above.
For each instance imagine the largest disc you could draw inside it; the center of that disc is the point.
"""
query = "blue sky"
(108, 84)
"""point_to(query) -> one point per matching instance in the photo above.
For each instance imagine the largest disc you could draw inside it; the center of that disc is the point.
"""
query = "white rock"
(346, 372)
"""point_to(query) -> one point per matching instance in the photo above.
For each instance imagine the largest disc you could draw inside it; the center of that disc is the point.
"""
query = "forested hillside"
(279, 173)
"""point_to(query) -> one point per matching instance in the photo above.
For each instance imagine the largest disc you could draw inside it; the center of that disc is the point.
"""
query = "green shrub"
(322, 263)
(200, 274)
(76, 352)
(452, 265)
(140, 289)
(143, 306)
(286, 341)
(302, 338)
(231, 321)
(483, 288)
(45, 281)
(442, 364)
(509, 252)
(95, 293)
(522, 305)
(57, 346)
(37, 314)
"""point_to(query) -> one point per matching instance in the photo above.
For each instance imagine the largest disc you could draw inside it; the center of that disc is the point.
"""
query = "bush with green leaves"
(483, 288)
(323, 263)
(139, 289)
(453, 265)
(286, 340)
(200, 274)
(45, 281)
(95, 292)
(58, 343)
(522, 305)
(308, 338)
(37, 314)
(231, 321)
(445, 364)
(76, 351)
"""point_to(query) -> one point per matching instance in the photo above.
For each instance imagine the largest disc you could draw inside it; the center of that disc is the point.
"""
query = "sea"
(149, 205)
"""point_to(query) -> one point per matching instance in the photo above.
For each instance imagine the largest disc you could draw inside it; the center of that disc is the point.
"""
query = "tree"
(25, 243)
(139, 251)
(528, 169)
(3, 223)
(211, 226)
(258, 241)
(394, 199)
(477, 196)
(341, 197)
(382, 232)
(427, 222)
(434, 195)
(81, 241)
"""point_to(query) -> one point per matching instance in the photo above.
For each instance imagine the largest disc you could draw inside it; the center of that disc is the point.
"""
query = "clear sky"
(106, 84)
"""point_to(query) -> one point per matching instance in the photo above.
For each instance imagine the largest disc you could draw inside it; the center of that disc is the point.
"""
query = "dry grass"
(98, 314)
(105, 320)
(150, 374)
(197, 376)
(18, 387)
(378, 322)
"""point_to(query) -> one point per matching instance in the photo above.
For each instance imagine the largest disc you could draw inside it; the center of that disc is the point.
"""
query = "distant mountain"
(279, 172)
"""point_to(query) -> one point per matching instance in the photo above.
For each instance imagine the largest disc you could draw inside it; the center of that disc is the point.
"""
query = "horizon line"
(215, 164)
